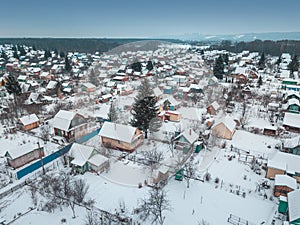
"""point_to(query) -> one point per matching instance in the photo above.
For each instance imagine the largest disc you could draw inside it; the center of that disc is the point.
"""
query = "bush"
(217, 180)
(207, 177)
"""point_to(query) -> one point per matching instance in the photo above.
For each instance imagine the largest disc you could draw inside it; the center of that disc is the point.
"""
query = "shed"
(294, 207)
(284, 184)
(224, 128)
(29, 122)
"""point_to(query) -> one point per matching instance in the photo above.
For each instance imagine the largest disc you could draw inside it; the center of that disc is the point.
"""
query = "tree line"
(275, 48)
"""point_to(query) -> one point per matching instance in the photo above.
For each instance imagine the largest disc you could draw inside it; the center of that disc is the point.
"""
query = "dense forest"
(89, 45)
(275, 48)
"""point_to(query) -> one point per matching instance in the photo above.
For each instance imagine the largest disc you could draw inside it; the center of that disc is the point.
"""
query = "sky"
(140, 18)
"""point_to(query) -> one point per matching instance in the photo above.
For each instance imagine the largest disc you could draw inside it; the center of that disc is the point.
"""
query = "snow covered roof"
(189, 135)
(51, 85)
(285, 180)
(228, 122)
(293, 101)
(116, 131)
(215, 105)
(98, 160)
(62, 120)
(103, 111)
(291, 119)
(80, 153)
(157, 92)
(294, 206)
(292, 142)
(191, 113)
(88, 85)
(285, 161)
(18, 151)
(29, 119)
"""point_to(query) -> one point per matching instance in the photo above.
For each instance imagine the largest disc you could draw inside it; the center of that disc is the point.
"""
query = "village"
(220, 148)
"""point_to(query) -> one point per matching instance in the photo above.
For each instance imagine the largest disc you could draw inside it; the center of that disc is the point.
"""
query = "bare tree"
(189, 171)
(154, 206)
(45, 133)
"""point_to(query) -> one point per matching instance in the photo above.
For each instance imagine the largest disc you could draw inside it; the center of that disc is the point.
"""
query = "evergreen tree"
(294, 64)
(218, 69)
(144, 112)
(13, 87)
(146, 90)
(137, 66)
(278, 60)
(47, 54)
(259, 82)
(62, 55)
(16, 56)
(22, 50)
(93, 78)
(226, 59)
(112, 114)
(3, 55)
(262, 60)
(149, 65)
(68, 66)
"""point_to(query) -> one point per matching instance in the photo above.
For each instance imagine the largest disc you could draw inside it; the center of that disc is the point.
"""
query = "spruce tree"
(149, 65)
(259, 82)
(262, 60)
(68, 66)
(93, 78)
(13, 87)
(294, 64)
(144, 109)
(112, 114)
(219, 68)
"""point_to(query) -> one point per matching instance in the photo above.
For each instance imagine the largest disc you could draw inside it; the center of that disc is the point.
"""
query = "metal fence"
(40, 163)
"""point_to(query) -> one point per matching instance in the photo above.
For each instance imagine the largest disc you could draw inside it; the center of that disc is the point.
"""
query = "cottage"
(28, 122)
(213, 108)
(291, 122)
(119, 136)
(88, 87)
(294, 207)
(284, 163)
(19, 156)
(186, 141)
(283, 185)
(101, 112)
(70, 125)
(292, 145)
(85, 158)
(169, 115)
(293, 105)
(224, 128)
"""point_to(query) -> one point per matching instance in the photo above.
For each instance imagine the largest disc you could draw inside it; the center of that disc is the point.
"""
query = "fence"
(40, 163)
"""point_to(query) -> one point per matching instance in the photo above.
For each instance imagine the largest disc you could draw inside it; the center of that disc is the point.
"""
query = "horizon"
(135, 19)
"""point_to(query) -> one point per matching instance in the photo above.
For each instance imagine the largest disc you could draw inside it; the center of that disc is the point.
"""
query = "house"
(169, 115)
(88, 87)
(224, 128)
(283, 185)
(185, 141)
(119, 136)
(283, 163)
(18, 156)
(69, 125)
(213, 108)
(241, 79)
(293, 105)
(28, 122)
(101, 112)
(270, 131)
(294, 207)
(168, 103)
(84, 158)
(292, 145)
(291, 122)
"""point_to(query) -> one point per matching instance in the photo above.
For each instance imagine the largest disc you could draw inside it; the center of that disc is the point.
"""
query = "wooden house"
(28, 122)
(213, 108)
(186, 140)
(88, 87)
(241, 79)
(19, 156)
(294, 207)
(119, 136)
(291, 122)
(270, 131)
(173, 116)
(84, 158)
(224, 128)
(283, 185)
(70, 125)
(292, 145)
(283, 163)
(293, 105)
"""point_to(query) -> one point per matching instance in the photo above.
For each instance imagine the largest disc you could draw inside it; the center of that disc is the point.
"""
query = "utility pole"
(41, 157)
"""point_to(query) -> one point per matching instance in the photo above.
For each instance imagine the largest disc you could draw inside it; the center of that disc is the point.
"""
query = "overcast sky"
(139, 18)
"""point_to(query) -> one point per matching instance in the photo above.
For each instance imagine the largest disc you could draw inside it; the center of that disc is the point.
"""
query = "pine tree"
(137, 66)
(219, 68)
(278, 60)
(16, 56)
(262, 60)
(68, 66)
(93, 78)
(47, 54)
(112, 114)
(62, 55)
